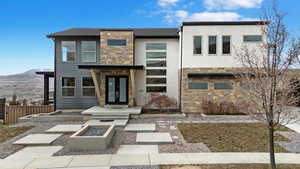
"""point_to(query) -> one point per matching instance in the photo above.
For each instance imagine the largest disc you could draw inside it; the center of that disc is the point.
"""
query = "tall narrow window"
(212, 45)
(156, 54)
(68, 49)
(88, 87)
(88, 51)
(226, 44)
(197, 45)
(68, 86)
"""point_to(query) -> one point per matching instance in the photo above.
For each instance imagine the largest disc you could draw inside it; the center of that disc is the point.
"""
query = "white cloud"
(232, 4)
(181, 14)
(214, 16)
(164, 3)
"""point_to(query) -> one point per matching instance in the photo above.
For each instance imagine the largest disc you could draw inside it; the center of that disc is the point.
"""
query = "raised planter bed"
(91, 137)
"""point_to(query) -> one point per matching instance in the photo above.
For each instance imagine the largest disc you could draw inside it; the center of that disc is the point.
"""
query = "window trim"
(88, 51)
(204, 90)
(81, 86)
(225, 54)
(232, 83)
(61, 51)
(215, 54)
(61, 80)
(243, 39)
(194, 54)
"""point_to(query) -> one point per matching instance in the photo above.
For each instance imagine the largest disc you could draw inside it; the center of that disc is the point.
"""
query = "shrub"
(161, 102)
(212, 107)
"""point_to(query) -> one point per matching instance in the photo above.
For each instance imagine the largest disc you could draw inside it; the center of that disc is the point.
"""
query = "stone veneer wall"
(103, 75)
(116, 55)
(191, 99)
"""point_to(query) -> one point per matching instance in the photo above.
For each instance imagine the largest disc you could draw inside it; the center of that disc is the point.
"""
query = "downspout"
(54, 94)
(180, 85)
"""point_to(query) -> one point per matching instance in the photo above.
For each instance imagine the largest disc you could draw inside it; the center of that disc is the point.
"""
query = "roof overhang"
(46, 73)
(211, 75)
(111, 67)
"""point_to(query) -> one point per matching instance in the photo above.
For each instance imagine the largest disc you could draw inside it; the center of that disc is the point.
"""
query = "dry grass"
(7, 133)
(229, 166)
(231, 137)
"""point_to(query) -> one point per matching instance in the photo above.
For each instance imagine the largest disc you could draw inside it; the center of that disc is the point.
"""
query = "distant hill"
(27, 85)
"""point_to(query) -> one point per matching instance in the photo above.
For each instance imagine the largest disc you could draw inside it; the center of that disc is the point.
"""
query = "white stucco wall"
(172, 68)
(219, 60)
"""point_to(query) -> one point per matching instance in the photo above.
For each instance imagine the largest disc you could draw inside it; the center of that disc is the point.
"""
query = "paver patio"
(35, 152)
(158, 137)
(90, 160)
(38, 139)
(64, 128)
(138, 149)
(140, 127)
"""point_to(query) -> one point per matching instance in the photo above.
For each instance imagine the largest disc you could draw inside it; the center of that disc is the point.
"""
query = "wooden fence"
(12, 113)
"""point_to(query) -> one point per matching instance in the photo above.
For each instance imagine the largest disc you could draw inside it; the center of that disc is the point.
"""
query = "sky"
(24, 24)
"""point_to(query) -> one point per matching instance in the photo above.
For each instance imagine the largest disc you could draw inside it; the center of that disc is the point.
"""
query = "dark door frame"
(117, 83)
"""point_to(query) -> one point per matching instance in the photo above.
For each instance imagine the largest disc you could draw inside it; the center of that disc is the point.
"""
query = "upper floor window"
(156, 46)
(68, 50)
(88, 87)
(212, 45)
(197, 44)
(226, 44)
(68, 86)
(116, 42)
(252, 38)
(88, 51)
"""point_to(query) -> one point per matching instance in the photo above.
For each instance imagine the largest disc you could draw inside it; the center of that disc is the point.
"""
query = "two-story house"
(103, 66)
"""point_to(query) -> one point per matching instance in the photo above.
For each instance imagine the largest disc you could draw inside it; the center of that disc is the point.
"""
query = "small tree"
(14, 100)
(266, 75)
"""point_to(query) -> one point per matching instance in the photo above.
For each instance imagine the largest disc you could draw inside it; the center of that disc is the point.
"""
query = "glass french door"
(116, 90)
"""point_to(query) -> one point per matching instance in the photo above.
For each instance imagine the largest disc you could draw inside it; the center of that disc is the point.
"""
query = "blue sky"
(24, 24)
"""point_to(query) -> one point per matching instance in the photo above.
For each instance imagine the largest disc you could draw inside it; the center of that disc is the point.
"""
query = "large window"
(156, 63)
(68, 86)
(88, 51)
(223, 86)
(197, 45)
(88, 87)
(116, 42)
(212, 45)
(68, 50)
(226, 44)
(252, 38)
(198, 85)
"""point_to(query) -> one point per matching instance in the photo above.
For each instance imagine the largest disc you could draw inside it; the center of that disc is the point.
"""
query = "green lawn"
(7, 133)
(231, 137)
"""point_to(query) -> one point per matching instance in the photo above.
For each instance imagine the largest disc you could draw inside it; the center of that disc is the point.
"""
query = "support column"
(97, 84)
(132, 78)
(46, 90)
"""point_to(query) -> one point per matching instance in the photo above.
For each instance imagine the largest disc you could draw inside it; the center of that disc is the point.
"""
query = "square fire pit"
(91, 137)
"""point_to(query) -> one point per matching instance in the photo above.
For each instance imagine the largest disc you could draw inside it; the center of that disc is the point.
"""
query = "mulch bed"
(231, 137)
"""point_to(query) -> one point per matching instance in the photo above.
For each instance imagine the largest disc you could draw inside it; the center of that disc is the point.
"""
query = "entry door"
(116, 90)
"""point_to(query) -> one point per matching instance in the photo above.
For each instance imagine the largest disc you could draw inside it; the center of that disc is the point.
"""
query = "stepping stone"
(64, 129)
(140, 127)
(120, 123)
(35, 152)
(158, 138)
(37, 139)
(138, 149)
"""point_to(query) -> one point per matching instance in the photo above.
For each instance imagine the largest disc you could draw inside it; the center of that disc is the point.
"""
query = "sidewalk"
(106, 161)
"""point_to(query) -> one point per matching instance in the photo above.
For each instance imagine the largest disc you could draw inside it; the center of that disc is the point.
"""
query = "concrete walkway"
(84, 161)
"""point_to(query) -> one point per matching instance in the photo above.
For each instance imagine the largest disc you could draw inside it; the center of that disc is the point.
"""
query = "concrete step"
(113, 113)
(109, 117)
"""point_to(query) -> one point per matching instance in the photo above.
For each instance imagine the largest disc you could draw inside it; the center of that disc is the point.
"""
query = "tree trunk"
(271, 147)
